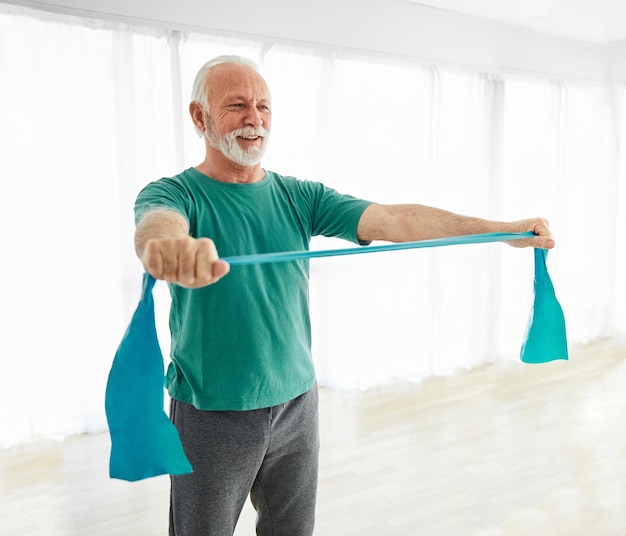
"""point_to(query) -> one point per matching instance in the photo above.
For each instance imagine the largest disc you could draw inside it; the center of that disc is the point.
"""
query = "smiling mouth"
(253, 138)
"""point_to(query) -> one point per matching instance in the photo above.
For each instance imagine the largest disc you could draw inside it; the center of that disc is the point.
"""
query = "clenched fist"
(189, 262)
(168, 252)
(543, 238)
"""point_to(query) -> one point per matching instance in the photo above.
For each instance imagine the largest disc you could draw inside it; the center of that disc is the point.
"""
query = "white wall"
(617, 62)
(385, 26)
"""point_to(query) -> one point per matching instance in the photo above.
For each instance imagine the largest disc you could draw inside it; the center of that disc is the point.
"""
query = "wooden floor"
(506, 449)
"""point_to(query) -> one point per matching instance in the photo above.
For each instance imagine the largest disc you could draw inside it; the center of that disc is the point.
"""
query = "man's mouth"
(250, 140)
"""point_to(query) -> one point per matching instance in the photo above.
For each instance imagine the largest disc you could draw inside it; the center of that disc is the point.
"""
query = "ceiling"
(594, 21)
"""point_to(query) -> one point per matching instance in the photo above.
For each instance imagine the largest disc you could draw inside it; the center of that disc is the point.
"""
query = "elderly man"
(242, 383)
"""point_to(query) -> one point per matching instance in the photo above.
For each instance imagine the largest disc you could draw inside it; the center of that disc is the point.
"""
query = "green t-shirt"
(245, 341)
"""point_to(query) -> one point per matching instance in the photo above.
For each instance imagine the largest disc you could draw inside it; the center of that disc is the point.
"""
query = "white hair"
(200, 89)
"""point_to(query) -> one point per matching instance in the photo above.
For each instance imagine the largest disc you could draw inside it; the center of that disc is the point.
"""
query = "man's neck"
(220, 168)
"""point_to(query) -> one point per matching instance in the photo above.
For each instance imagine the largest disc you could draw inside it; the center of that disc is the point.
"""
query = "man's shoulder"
(185, 182)
(180, 178)
(290, 181)
(185, 177)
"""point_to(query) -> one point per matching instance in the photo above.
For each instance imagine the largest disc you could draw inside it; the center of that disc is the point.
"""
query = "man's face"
(240, 118)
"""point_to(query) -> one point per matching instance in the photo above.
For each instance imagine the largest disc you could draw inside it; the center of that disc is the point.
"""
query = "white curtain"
(92, 111)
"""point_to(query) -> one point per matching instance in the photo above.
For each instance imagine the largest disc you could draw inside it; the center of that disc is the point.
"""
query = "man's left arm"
(409, 223)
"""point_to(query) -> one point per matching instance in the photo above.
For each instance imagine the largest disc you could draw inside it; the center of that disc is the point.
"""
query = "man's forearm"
(407, 223)
(159, 224)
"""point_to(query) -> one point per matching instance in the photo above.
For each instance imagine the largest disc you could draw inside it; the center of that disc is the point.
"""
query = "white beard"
(228, 146)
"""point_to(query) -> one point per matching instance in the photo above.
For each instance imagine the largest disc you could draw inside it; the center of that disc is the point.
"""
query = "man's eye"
(264, 107)
(236, 105)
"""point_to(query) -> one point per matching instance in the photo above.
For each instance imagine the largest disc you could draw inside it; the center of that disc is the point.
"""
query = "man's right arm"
(167, 252)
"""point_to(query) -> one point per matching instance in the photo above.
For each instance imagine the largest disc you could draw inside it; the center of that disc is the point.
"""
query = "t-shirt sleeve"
(169, 194)
(335, 214)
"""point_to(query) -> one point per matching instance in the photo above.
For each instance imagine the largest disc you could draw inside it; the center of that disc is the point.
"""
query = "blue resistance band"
(284, 256)
(144, 443)
(545, 338)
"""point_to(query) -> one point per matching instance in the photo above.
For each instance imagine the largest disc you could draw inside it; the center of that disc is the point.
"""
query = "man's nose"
(253, 117)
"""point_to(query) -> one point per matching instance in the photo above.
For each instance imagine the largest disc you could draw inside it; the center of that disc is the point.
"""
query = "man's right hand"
(186, 261)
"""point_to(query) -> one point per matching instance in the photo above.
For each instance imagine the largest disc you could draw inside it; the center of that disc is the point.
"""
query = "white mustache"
(249, 132)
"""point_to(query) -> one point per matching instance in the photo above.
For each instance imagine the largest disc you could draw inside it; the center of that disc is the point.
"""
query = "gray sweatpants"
(271, 454)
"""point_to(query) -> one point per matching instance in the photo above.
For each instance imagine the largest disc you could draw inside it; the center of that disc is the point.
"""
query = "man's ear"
(197, 115)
